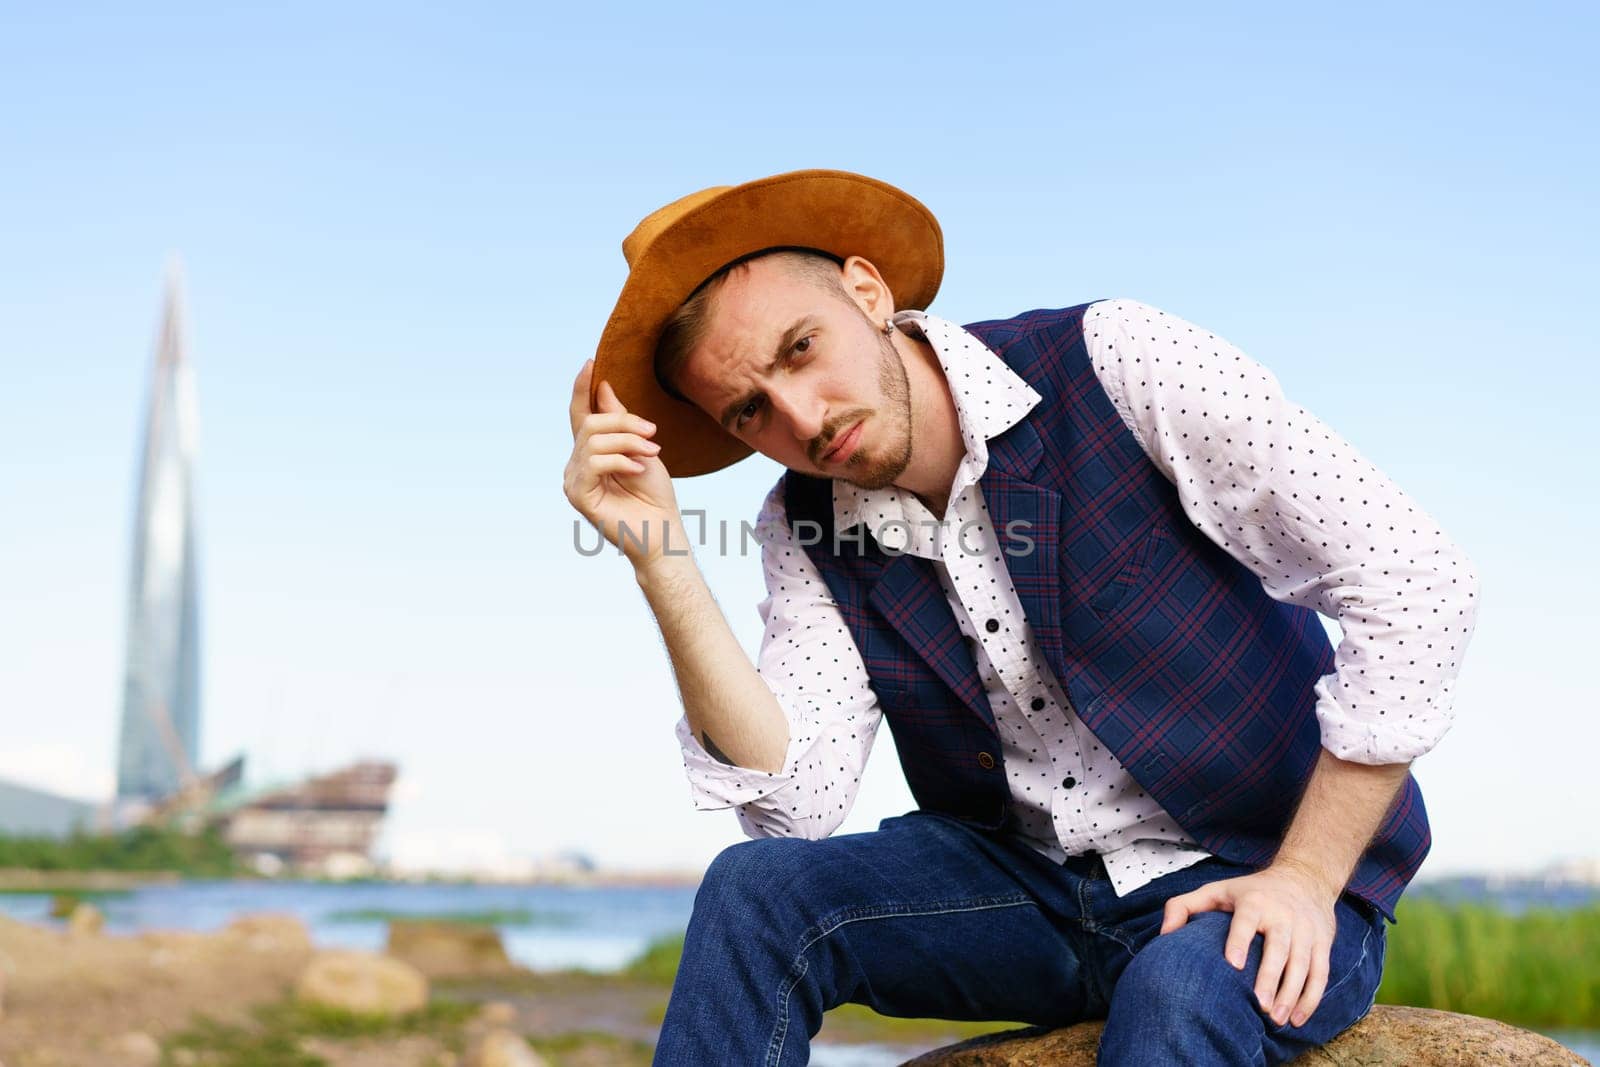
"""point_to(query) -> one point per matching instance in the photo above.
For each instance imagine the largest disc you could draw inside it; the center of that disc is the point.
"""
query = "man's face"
(799, 374)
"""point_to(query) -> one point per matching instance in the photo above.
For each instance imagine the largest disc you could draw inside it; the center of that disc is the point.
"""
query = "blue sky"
(400, 229)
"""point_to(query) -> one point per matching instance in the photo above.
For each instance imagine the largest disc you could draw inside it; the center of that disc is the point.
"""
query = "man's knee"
(1179, 1000)
(753, 875)
(1179, 993)
(1182, 979)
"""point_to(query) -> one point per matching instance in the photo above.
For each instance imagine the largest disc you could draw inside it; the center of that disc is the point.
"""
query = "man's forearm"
(728, 705)
(1343, 806)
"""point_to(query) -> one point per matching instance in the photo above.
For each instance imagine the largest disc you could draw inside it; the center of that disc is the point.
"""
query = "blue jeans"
(928, 917)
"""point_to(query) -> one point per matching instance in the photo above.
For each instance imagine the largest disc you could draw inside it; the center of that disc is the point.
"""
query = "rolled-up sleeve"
(810, 662)
(1318, 523)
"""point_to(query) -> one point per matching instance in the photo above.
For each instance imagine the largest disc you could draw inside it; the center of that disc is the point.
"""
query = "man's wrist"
(1322, 882)
(663, 570)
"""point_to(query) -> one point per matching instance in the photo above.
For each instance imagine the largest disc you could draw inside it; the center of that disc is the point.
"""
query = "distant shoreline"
(1512, 890)
(35, 880)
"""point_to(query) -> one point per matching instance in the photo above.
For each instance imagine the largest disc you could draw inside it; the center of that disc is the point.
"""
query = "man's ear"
(863, 284)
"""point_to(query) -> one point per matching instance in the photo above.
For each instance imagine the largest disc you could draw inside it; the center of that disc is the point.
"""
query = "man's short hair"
(688, 323)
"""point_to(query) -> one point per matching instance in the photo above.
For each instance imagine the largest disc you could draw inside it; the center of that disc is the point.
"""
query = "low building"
(326, 825)
(29, 812)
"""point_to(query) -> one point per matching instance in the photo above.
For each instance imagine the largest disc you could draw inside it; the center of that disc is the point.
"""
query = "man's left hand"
(1292, 907)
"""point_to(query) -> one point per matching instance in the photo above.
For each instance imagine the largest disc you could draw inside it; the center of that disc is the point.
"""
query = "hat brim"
(834, 211)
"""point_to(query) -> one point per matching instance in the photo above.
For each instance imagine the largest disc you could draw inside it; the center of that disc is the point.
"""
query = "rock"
(502, 1048)
(1034, 1046)
(135, 1049)
(1389, 1035)
(448, 949)
(85, 921)
(497, 1013)
(270, 931)
(364, 983)
(1419, 1037)
(62, 904)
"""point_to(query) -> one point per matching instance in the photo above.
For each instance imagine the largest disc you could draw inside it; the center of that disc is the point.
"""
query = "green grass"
(592, 1047)
(857, 1022)
(1537, 969)
(658, 962)
(231, 1046)
(310, 1019)
(274, 1038)
(505, 917)
(143, 848)
(277, 1035)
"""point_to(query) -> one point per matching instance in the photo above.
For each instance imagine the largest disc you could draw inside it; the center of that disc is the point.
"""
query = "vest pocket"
(1130, 577)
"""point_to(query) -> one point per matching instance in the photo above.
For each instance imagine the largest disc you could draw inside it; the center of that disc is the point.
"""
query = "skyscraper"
(161, 693)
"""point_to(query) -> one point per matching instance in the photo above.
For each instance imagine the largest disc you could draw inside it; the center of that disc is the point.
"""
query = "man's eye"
(748, 411)
(802, 346)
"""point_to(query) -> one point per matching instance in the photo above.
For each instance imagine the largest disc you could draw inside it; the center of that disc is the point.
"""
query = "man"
(1074, 559)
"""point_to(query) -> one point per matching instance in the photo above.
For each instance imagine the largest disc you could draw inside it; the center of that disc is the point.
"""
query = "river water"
(558, 926)
(546, 927)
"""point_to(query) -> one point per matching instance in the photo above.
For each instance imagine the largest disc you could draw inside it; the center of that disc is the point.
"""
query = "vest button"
(986, 761)
(1068, 782)
(992, 625)
(1038, 704)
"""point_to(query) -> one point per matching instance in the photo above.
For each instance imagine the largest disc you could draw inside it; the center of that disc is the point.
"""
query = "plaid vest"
(1170, 650)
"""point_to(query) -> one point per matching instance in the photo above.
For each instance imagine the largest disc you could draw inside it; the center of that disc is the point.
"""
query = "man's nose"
(805, 412)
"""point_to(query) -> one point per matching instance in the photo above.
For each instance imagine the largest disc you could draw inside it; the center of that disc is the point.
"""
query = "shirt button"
(986, 761)
(1038, 704)
(1068, 782)
(992, 625)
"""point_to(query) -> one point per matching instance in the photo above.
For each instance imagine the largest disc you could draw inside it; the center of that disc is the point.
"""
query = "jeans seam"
(1373, 1000)
(1366, 939)
(862, 913)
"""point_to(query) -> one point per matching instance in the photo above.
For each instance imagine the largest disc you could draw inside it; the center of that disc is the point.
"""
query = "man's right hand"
(615, 478)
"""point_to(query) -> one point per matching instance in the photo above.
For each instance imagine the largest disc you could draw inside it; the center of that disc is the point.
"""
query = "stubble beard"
(881, 470)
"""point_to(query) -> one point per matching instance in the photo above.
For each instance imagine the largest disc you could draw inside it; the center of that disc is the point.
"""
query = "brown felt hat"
(678, 247)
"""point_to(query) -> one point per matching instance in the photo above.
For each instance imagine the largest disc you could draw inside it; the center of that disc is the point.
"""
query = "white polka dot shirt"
(1261, 476)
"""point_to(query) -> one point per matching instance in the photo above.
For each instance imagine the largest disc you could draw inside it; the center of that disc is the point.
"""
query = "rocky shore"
(259, 994)
(76, 996)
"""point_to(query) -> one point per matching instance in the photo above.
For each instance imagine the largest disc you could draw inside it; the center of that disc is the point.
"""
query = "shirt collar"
(990, 398)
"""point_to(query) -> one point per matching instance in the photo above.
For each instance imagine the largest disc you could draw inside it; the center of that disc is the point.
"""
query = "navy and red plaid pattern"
(1170, 649)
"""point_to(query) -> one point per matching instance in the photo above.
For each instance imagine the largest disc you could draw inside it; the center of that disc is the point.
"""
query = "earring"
(888, 326)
